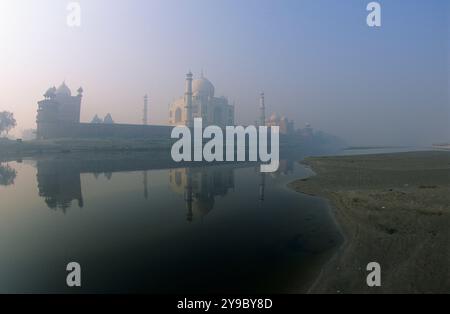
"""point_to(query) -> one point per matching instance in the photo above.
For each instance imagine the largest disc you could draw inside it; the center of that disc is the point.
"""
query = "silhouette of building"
(286, 126)
(199, 101)
(58, 106)
(58, 116)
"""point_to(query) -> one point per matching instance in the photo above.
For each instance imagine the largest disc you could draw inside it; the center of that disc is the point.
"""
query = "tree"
(7, 122)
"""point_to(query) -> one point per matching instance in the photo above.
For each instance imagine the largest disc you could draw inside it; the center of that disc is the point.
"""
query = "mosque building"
(58, 106)
(286, 126)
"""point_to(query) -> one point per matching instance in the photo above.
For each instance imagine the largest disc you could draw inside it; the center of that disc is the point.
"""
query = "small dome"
(96, 120)
(63, 90)
(50, 92)
(108, 119)
(203, 87)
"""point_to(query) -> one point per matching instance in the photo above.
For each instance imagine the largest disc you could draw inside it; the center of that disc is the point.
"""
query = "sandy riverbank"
(393, 209)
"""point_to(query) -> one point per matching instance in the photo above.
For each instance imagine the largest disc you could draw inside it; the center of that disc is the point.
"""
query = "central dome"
(202, 87)
(63, 90)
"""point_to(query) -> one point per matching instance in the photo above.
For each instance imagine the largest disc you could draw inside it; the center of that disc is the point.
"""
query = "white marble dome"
(202, 87)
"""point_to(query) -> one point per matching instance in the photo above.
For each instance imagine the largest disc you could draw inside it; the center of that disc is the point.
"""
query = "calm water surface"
(139, 226)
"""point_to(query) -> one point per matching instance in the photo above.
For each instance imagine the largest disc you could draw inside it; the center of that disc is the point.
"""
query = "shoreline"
(392, 209)
(24, 149)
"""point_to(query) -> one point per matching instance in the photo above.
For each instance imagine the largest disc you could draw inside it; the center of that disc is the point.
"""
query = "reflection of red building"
(58, 184)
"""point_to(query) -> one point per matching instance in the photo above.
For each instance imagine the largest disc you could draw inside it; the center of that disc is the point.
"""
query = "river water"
(136, 226)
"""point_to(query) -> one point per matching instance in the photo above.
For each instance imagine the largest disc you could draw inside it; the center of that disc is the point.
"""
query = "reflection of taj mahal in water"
(200, 186)
(60, 182)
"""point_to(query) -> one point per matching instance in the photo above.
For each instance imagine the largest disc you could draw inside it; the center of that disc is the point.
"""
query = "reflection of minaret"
(145, 173)
(188, 194)
(262, 111)
(262, 186)
(145, 117)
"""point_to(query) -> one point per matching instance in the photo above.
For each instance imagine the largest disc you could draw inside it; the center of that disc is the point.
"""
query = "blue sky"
(316, 60)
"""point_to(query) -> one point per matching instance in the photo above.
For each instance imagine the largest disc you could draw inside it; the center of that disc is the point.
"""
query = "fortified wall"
(91, 130)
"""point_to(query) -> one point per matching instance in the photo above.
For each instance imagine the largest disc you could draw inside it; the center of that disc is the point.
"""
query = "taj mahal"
(199, 101)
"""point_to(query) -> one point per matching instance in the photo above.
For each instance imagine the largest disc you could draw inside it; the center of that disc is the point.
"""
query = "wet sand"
(393, 209)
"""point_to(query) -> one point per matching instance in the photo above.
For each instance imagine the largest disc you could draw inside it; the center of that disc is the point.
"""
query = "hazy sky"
(316, 60)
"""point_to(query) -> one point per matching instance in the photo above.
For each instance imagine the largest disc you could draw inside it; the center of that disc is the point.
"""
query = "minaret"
(145, 118)
(188, 100)
(262, 109)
